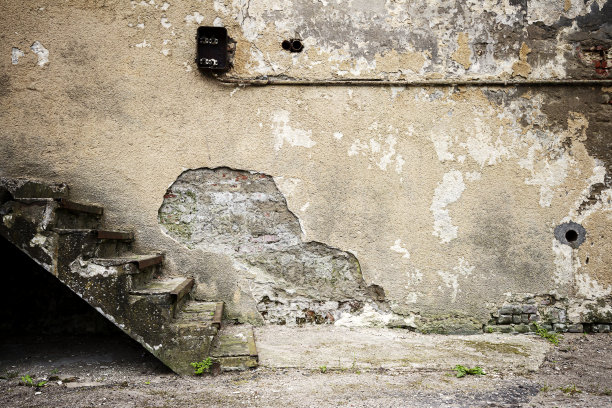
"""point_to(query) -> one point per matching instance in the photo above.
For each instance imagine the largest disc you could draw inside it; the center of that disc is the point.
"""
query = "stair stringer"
(30, 226)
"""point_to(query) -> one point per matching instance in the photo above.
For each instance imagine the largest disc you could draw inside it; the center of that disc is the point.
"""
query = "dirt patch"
(116, 373)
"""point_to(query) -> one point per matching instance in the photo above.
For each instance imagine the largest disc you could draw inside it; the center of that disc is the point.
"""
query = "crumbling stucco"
(244, 215)
(448, 196)
(416, 40)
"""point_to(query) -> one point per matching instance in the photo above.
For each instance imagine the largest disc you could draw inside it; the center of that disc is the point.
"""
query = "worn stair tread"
(23, 188)
(206, 312)
(171, 286)
(66, 204)
(234, 341)
(99, 234)
(142, 261)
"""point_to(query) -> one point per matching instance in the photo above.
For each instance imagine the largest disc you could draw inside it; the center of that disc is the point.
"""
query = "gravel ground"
(114, 372)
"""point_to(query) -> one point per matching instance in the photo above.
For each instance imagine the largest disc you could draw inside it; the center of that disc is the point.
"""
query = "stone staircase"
(129, 289)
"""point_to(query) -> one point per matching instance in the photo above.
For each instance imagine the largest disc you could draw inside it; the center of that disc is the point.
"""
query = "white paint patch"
(143, 44)
(165, 23)
(166, 52)
(395, 90)
(305, 207)
(548, 175)
(187, 67)
(194, 18)
(589, 288)
(442, 143)
(218, 22)
(481, 146)
(370, 317)
(397, 247)
(41, 52)
(451, 279)
(284, 133)
(376, 148)
(165, 6)
(16, 53)
(473, 176)
(447, 192)
(338, 135)
(565, 265)
(287, 185)
(140, 25)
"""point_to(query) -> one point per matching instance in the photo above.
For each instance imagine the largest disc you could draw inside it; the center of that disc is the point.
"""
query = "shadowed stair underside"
(129, 289)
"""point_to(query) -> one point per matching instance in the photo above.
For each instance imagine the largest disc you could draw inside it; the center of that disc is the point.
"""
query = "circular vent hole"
(571, 235)
(297, 46)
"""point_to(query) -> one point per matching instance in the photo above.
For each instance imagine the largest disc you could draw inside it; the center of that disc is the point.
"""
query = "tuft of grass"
(462, 371)
(29, 381)
(202, 366)
(545, 334)
(570, 389)
(323, 369)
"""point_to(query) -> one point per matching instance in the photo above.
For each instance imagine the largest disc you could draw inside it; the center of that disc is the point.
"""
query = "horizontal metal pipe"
(384, 82)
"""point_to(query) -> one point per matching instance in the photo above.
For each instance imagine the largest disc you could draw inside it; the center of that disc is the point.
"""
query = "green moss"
(181, 230)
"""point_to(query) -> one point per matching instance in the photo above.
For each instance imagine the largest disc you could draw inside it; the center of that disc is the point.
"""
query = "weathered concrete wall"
(444, 198)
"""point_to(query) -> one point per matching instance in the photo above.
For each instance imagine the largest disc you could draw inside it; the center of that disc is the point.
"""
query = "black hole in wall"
(292, 45)
(571, 235)
(297, 46)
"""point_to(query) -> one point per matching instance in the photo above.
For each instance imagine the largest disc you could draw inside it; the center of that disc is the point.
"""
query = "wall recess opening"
(570, 233)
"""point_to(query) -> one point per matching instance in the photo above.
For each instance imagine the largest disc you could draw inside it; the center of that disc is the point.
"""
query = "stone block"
(524, 318)
(575, 328)
(506, 310)
(521, 328)
(530, 309)
(516, 319)
(559, 327)
(517, 309)
(534, 318)
(601, 328)
(504, 319)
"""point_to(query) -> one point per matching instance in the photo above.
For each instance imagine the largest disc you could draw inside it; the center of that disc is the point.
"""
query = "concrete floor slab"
(340, 348)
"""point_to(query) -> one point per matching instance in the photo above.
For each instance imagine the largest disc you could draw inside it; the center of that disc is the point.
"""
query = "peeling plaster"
(283, 132)
(41, 52)
(447, 192)
(451, 279)
(16, 53)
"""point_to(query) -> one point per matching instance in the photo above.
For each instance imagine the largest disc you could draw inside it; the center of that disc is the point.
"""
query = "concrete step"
(100, 243)
(98, 234)
(168, 294)
(234, 348)
(208, 313)
(140, 262)
(19, 188)
(176, 288)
